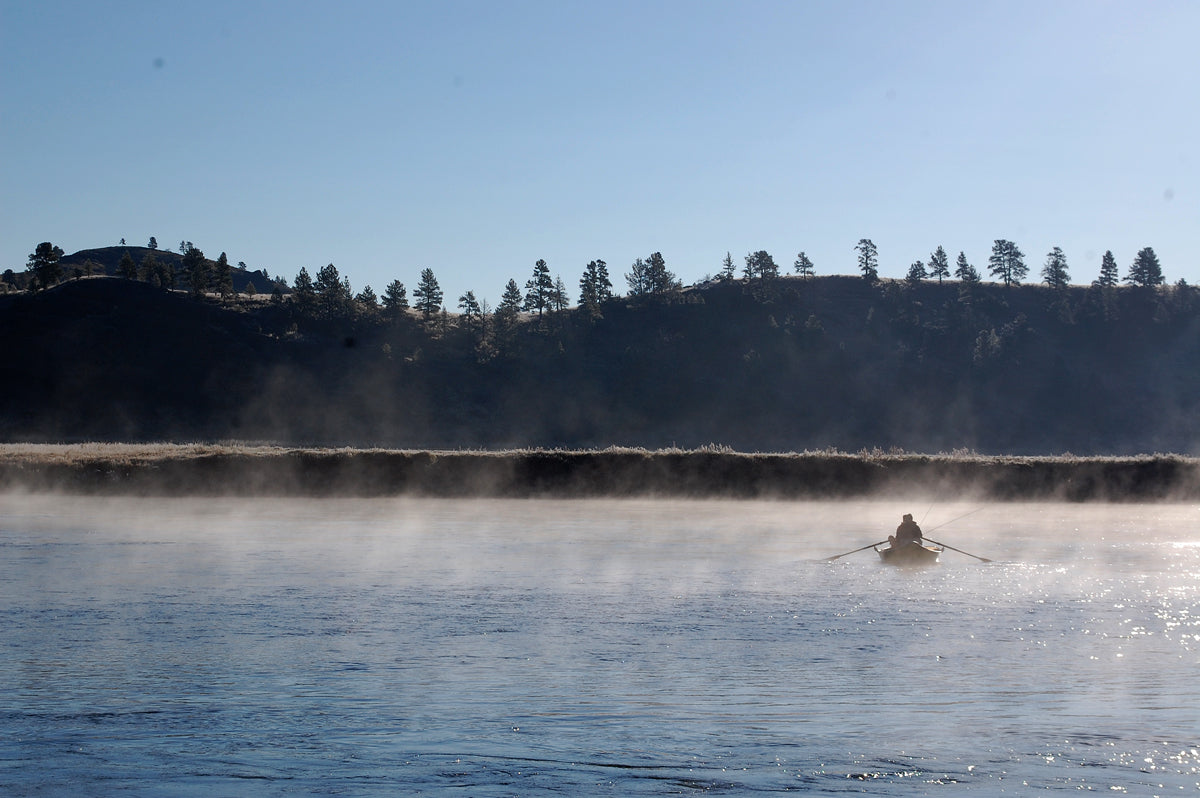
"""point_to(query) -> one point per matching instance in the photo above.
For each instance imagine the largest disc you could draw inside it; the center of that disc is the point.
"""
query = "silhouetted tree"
(539, 288)
(395, 298)
(1145, 270)
(659, 278)
(427, 295)
(916, 272)
(195, 266)
(367, 299)
(868, 259)
(560, 300)
(333, 295)
(804, 266)
(594, 288)
(223, 276)
(1055, 271)
(637, 280)
(304, 295)
(507, 316)
(127, 268)
(727, 272)
(965, 271)
(939, 264)
(153, 243)
(44, 265)
(1007, 262)
(1108, 271)
(761, 266)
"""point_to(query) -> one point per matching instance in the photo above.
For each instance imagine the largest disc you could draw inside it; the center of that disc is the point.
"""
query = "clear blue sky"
(476, 137)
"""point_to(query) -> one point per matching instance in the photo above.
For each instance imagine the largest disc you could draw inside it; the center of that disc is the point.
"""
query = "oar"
(864, 548)
(960, 551)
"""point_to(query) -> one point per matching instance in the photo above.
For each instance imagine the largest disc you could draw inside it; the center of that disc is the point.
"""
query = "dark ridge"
(806, 365)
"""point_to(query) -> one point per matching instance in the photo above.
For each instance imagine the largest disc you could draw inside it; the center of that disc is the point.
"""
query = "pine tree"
(1145, 270)
(44, 264)
(1108, 271)
(804, 266)
(395, 298)
(304, 295)
(539, 288)
(195, 266)
(1055, 271)
(939, 264)
(594, 288)
(127, 268)
(223, 276)
(1007, 262)
(868, 259)
(761, 266)
(965, 271)
(727, 272)
(637, 280)
(916, 272)
(659, 277)
(428, 295)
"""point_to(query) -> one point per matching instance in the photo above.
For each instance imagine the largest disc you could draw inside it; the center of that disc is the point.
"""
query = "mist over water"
(384, 647)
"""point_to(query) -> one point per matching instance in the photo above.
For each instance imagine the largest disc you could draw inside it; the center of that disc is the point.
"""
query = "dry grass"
(714, 471)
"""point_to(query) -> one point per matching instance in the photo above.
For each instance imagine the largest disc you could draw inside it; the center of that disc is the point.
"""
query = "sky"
(475, 137)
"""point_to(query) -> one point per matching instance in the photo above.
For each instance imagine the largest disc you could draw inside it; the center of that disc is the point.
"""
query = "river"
(185, 647)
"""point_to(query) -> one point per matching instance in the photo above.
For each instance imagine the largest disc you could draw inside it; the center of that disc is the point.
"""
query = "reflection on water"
(180, 647)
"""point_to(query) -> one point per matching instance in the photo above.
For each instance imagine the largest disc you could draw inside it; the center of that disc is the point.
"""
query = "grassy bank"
(198, 470)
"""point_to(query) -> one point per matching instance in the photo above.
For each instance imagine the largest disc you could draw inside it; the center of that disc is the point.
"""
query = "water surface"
(390, 647)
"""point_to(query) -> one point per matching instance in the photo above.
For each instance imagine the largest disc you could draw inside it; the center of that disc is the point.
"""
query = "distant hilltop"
(771, 364)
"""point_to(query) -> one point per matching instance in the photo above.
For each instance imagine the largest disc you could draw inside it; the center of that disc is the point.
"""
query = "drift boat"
(910, 555)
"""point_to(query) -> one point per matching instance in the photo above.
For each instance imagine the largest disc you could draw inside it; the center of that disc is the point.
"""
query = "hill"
(831, 362)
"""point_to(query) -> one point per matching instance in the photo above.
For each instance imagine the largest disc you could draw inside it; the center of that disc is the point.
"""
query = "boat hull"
(911, 555)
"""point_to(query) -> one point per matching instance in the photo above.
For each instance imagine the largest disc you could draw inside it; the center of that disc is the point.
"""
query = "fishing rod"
(952, 520)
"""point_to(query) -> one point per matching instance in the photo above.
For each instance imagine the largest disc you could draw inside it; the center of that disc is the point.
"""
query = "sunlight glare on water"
(384, 647)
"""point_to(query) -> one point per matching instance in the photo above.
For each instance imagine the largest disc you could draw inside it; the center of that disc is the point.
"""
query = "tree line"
(330, 294)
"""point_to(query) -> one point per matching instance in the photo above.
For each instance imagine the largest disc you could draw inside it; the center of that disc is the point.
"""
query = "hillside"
(831, 362)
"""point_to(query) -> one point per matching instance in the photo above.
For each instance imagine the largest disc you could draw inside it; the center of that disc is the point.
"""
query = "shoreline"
(261, 470)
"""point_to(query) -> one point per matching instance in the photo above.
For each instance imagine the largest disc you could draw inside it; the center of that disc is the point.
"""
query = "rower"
(907, 532)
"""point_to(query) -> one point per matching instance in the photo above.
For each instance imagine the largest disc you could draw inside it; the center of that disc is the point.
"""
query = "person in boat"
(907, 532)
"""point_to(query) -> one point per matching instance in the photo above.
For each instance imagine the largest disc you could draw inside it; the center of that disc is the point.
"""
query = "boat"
(910, 555)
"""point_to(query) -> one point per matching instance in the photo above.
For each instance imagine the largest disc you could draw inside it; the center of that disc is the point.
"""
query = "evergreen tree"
(44, 265)
(868, 259)
(539, 288)
(965, 271)
(594, 288)
(304, 295)
(761, 266)
(660, 279)
(727, 272)
(395, 298)
(367, 299)
(1145, 270)
(1007, 262)
(559, 298)
(939, 264)
(637, 279)
(916, 272)
(1055, 271)
(127, 268)
(223, 276)
(804, 266)
(332, 294)
(153, 243)
(149, 268)
(427, 295)
(195, 266)
(1108, 270)
(507, 314)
